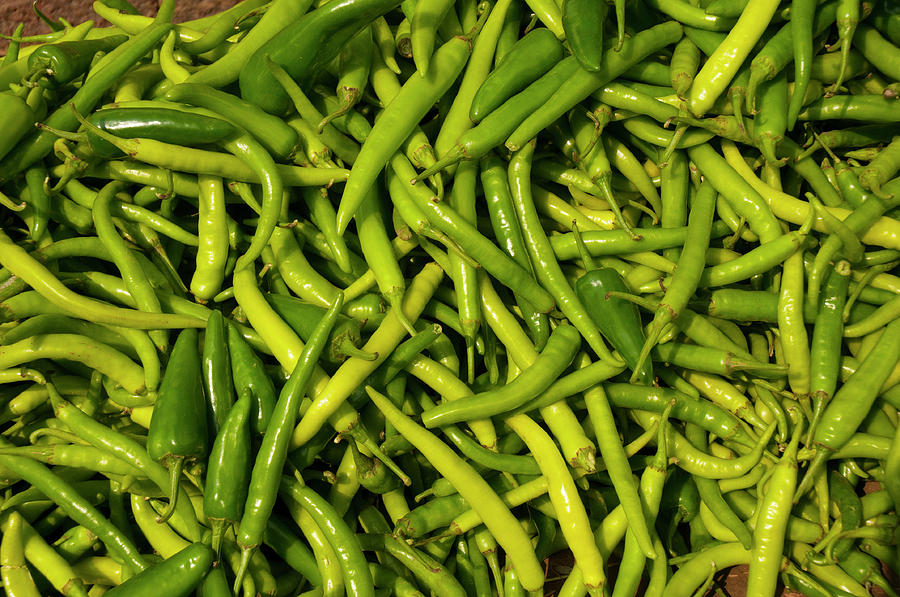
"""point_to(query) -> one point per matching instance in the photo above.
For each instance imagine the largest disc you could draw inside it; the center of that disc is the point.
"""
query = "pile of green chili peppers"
(452, 298)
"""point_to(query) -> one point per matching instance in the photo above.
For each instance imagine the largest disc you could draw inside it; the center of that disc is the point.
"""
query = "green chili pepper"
(556, 356)
(17, 579)
(18, 119)
(303, 317)
(272, 132)
(583, 22)
(169, 126)
(304, 46)
(67, 60)
(177, 575)
(271, 456)
(248, 373)
(178, 432)
(228, 470)
(617, 319)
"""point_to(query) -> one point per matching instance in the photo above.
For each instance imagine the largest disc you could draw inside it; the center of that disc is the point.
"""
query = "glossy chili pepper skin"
(217, 381)
(843, 494)
(532, 56)
(168, 126)
(88, 95)
(304, 46)
(248, 372)
(302, 317)
(18, 119)
(277, 137)
(177, 576)
(583, 22)
(270, 458)
(556, 356)
(178, 431)
(617, 319)
(66, 60)
(228, 470)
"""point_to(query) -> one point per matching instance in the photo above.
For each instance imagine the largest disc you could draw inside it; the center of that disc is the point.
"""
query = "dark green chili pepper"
(532, 56)
(117, 62)
(304, 47)
(18, 119)
(825, 347)
(557, 355)
(217, 380)
(38, 198)
(168, 126)
(248, 372)
(302, 317)
(178, 432)
(228, 470)
(583, 22)
(617, 319)
(270, 459)
(66, 60)
(272, 132)
(843, 495)
(852, 402)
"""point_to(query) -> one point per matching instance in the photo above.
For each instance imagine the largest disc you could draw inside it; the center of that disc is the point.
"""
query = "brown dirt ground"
(13, 12)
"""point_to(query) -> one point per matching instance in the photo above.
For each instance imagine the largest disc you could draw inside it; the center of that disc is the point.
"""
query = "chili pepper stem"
(176, 465)
(620, 24)
(246, 554)
(816, 466)
(69, 136)
(356, 434)
(603, 184)
(342, 110)
(768, 149)
(218, 526)
(453, 156)
(654, 332)
(396, 302)
(470, 359)
(348, 348)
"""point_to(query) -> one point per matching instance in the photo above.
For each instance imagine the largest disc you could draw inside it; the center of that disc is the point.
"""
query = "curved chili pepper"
(531, 56)
(556, 356)
(272, 132)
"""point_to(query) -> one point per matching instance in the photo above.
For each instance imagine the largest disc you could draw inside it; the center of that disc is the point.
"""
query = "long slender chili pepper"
(76, 507)
(267, 468)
